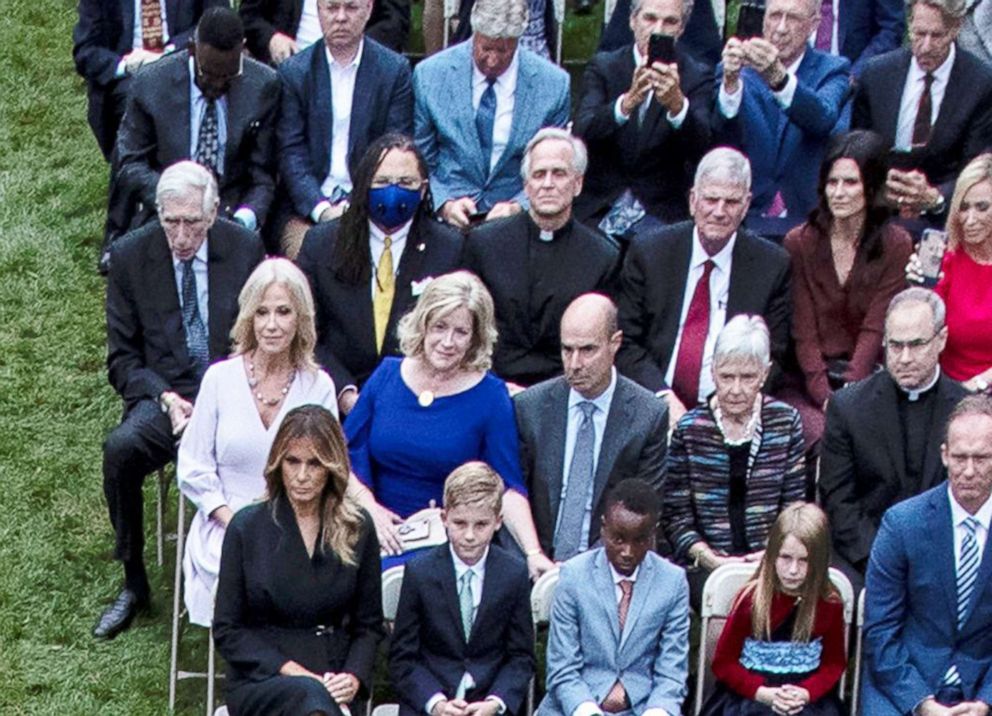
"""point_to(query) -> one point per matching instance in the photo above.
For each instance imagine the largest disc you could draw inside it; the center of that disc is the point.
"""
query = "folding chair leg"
(176, 602)
(211, 666)
(162, 492)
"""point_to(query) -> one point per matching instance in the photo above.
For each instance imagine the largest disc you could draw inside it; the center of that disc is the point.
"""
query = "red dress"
(966, 288)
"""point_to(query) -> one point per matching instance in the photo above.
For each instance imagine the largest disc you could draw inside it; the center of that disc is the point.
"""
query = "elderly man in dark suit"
(171, 302)
(679, 286)
(583, 433)
(932, 103)
(114, 39)
(646, 124)
(338, 96)
(209, 104)
(536, 262)
(883, 434)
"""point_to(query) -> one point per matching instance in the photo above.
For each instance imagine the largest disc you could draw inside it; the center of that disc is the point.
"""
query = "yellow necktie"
(385, 287)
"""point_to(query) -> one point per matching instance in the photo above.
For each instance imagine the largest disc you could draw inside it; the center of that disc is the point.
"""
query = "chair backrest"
(392, 582)
(843, 585)
(386, 710)
(858, 648)
(541, 595)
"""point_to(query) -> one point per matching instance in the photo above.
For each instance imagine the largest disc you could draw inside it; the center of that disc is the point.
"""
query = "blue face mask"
(392, 206)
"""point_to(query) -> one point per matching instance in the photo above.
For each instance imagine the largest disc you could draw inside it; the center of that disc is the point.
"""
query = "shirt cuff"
(121, 70)
(347, 389)
(618, 114)
(246, 217)
(730, 103)
(497, 699)
(587, 708)
(433, 701)
(784, 96)
(319, 209)
(655, 712)
(676, 119)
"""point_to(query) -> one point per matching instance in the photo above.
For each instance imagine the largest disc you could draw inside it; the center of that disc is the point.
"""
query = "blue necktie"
(466, 603)
(568, 539)
(485, 118)
(208, 141)
(967, 576)
(196, 333)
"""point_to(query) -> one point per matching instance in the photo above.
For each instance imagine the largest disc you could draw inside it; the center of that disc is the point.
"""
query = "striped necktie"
(967, 577)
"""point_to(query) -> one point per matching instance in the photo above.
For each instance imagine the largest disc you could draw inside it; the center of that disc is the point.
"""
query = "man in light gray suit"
(631, 608)
(570, 461)
(477, 104)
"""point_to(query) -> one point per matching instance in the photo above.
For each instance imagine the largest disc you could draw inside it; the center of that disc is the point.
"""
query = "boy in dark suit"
(463, 643)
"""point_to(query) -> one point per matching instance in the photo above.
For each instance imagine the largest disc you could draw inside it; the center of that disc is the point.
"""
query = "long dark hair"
(351, 250)
(866, 149)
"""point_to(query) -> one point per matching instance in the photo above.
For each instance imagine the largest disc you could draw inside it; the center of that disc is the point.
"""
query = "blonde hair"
(808, 524)
(474, 483)
(284, 273)
(975, 172)
(443, 295)
(341, 517)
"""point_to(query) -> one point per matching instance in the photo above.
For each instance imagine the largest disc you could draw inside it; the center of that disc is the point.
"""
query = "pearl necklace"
(253, 382)
(748, 429)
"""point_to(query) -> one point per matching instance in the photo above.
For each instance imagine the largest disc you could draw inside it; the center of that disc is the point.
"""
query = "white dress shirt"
(505, 87)
(730, 103)
(377, 244)
(308, 31)
(602, 403)
(958, 517)
(673, 119)
(200, 276)
(719, 290)
(342, 79)
(912, 90)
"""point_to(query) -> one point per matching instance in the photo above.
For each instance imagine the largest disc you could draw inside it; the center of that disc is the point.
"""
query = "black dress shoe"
(118, 616)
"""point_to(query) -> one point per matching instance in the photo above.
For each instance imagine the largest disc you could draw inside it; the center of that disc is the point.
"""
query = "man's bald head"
(590, 340)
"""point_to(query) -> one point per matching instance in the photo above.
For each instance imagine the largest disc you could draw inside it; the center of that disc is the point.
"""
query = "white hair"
(580, 157)
(183, 178)
(746, 337)
(724, 164)
(500, 19)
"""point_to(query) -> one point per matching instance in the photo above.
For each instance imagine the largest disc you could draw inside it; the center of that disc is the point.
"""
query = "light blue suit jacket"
(911, 632)
(444, 124)
(587, 653)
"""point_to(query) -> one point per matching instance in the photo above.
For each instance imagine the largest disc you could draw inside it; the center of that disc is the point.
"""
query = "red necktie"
(616, 700)
(921, 125)
(151, 25)
(689, 362)
(825, 31)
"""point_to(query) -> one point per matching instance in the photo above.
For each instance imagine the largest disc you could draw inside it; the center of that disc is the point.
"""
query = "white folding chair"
(161, 492)
(175, 673)
(858, 649)
(450, 13)
(843, 585)
(392, 583)
(541, 596)
(559, 6)
(386, 710)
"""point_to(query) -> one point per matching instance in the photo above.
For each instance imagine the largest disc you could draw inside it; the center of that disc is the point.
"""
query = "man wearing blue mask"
(368, 267)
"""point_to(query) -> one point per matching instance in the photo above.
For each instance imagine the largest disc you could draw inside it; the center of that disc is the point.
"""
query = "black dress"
(275, 604)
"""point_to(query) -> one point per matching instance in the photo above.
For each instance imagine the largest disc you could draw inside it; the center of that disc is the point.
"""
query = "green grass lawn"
(56, 571)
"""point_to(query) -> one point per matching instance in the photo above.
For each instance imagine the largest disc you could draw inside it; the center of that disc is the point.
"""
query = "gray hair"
(952, 10)
(580, 157)
(182, 179)
(724, 164)
(918, 294)
(500, 19)
(635, 7)
(744, 336)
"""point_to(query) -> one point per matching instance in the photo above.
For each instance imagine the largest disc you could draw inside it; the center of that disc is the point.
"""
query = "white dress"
(222, 461)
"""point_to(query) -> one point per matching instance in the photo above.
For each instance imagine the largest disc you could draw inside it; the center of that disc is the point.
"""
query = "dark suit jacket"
(383, 102)
(652, 159)
(104, 34)
(911, 627)
(701, 38)
(156, 133)
(429, 651)
(529, 306)
(867, 28)
(964, 125)
(863, 463)
(634, 445)
(786, 146)
(146, 343)
(345, 325)
(389, 23)
(652, 287)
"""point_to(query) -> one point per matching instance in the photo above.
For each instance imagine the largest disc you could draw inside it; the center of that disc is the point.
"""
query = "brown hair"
(474, 483)
(340, 517)
(808, 524)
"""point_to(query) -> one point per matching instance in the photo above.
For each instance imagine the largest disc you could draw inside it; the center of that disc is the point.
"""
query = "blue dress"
(403, 452)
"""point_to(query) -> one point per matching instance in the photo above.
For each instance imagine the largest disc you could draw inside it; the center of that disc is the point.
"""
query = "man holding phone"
(644, 113)
(779, 101)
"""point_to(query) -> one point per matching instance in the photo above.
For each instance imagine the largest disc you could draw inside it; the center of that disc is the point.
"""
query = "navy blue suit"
(786, 146)
(429, 651)
(383, 102)
(911, 631)
(867, 28)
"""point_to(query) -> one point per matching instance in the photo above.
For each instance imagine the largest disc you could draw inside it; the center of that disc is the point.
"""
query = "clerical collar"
(549, 236)
(914, 395)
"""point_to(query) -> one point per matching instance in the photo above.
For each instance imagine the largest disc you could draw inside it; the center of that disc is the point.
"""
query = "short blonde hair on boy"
(474, 483)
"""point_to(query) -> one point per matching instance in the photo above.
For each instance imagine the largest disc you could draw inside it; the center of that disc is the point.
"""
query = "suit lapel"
(490, 598)
(942, 533)
(459, 81)
(366, 81)
(219, 283)
(890, 97)
(411, 261)
(606, 591)
(176, 105)
(556, 404)
(162, 281)
(320, 77)
(621, 416)
(447, 585)
(643, 585)
(359, 297)
(523, 105)
(981, 583)
(742, 272)
(933, 469)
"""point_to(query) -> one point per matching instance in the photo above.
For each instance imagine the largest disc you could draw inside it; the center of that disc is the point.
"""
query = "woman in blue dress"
(420, 417)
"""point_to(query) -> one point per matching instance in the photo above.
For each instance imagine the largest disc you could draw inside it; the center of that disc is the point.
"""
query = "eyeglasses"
(912, 346)
(405, 182)
(174, 222)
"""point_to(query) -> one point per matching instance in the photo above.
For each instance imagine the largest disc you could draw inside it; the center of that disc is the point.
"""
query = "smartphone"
(750, 20)
(930, 252)
(661, 48)
(477, 218)
(903, 159)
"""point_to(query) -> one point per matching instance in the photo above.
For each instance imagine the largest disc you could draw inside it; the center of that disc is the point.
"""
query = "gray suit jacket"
(635, 442)
(444, 124)
(976, 32)
(587, 652)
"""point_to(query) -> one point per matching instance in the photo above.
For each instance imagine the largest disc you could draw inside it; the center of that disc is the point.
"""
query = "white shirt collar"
(479, 568)
(960, 514)
(507, 82)
(332, 63)
(602, 401)
(200, 255)
(794, 67)
(914, 395)
(617, 577)
(941, 74)
(721, 259)
(398, 236)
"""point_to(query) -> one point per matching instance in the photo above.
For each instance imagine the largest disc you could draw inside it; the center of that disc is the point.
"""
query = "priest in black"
(883, 434)
(536, 262)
